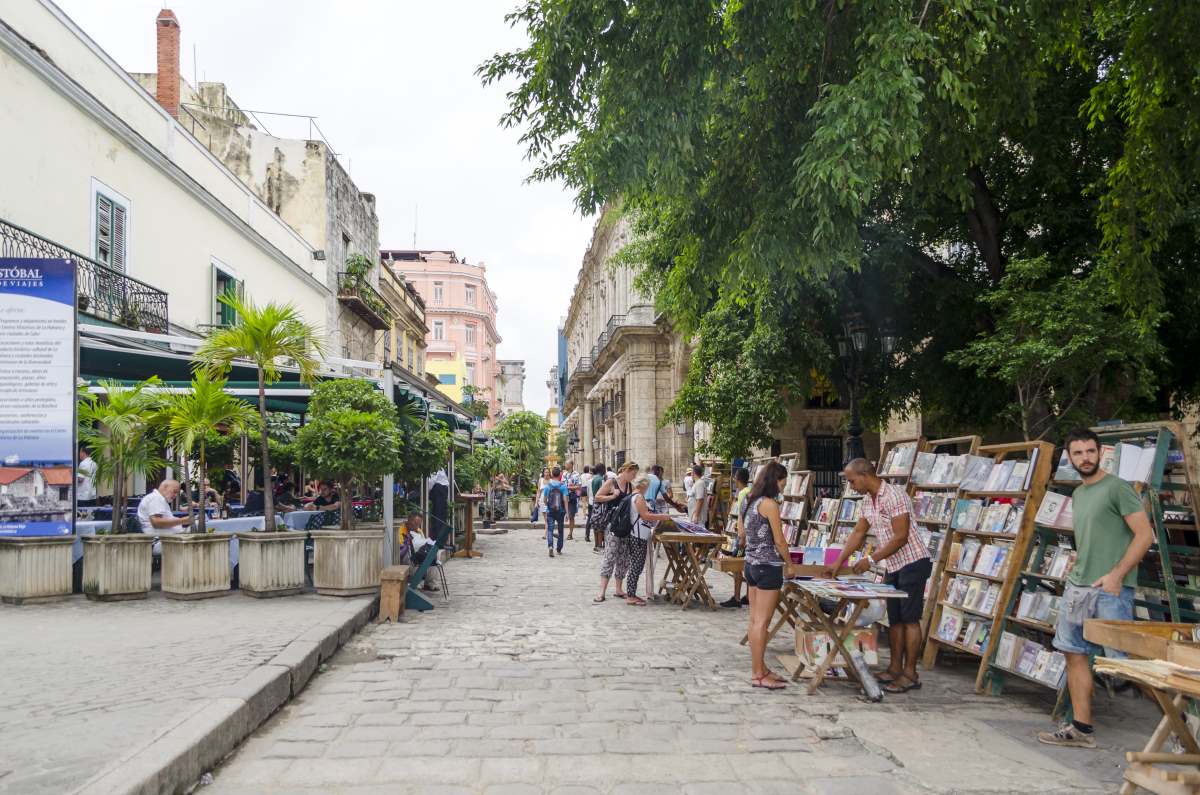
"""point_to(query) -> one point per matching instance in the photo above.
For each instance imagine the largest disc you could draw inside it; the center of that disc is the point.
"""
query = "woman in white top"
(643, 520)
(539, 503)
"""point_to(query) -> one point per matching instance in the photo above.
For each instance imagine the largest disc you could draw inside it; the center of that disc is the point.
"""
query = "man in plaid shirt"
(886, 514)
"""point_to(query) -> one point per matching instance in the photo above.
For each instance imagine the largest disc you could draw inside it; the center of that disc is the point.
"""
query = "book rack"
(896, 459)
(797, 498)
(978, 582)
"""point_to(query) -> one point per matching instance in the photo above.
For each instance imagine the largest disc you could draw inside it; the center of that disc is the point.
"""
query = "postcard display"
(991, 527)
(1148, 456)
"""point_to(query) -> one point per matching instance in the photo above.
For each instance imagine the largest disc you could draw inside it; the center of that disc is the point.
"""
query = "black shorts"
(910, 579)
(763, 576)
(572, 505)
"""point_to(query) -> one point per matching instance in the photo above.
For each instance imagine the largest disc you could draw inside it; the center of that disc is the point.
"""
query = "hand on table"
(828, 573)
(861, 567)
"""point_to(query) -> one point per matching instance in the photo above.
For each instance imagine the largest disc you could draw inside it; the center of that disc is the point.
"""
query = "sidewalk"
(152, 685)
(522, 685)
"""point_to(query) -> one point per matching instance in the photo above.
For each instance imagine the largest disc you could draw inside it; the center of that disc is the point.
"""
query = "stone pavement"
(522, 685)
(85, 683)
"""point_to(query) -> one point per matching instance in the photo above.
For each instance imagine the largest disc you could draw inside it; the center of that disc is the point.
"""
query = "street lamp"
(851, 346)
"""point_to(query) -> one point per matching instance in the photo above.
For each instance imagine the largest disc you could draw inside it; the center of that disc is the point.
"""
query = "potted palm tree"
(119, 430)
(263, 335)
(353, 437)
(196, 565)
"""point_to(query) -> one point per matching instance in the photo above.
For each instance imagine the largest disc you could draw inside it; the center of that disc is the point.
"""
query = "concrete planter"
(271, 564)
(195, 565)
(35, 568)
(347, 563)
(117, 567)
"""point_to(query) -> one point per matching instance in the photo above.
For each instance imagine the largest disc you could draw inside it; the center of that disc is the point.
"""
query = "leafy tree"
(189, 418)
(474, 403)
(425, 450)
(524, 434)
(349, 446)
(263, 335)
(789, 166)
(118, 430)
(478, 468)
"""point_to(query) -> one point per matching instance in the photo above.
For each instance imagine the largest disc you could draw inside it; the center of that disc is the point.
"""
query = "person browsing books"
(1112, 535)
(760, 531)
(741, 488)
(616, 550)
(886, 513)
(644, 521)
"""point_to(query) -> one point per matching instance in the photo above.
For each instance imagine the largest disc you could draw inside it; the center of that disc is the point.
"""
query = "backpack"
(554, 499)
(620, 521)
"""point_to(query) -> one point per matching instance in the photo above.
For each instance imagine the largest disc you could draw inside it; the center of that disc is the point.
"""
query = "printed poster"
(37, 396)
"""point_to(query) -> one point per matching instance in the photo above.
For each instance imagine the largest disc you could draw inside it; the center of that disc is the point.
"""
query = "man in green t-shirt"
(1112, 534)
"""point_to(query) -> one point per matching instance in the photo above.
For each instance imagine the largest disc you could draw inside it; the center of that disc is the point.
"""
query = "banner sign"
(37, 396)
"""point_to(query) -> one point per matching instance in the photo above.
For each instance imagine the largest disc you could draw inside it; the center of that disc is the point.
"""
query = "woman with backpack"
(616, 550)
(641, 530)
(760, 533)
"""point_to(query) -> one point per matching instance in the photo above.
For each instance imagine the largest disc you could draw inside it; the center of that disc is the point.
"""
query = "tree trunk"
(983, 219)
(268, 489)
(347, 504)
(200, 491)
(118, 513)
(187, 492)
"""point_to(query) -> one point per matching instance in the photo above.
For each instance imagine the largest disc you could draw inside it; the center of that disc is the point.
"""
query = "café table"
(298, 520)
(686, 553)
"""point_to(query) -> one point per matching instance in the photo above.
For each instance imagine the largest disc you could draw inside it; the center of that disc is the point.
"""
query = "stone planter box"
(195, 565)
(347, 563)
(35, 568)
(117, 567)
(271, 564)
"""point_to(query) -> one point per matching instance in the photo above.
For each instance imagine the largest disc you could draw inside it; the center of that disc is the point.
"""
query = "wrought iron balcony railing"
(364, 300)
(100, 291)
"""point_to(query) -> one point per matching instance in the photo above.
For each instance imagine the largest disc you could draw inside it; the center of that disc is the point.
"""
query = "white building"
(96, 165)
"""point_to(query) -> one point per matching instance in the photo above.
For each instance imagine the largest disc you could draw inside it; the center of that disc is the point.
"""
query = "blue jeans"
(552, 519)
(1068, 636)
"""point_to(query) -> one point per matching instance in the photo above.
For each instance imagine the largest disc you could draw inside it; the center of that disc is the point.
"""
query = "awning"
(612, 374)
(571, 418)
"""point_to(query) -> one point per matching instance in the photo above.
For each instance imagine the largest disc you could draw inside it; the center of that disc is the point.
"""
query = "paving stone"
(852, 785)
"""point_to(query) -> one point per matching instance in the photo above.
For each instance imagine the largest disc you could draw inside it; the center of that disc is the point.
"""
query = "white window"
(470, 295)
(471, 334)
(439, 330)
(438, 293)
(471, 373)
(110, 226)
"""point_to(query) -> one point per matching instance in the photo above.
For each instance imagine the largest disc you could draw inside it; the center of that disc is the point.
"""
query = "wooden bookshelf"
(794, 527)
(899, 474)
(1037, 477)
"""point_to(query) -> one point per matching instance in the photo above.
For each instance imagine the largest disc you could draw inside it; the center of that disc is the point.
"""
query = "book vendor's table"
(789, 596)
(1172, 686)
(686, 565)
(848, 602)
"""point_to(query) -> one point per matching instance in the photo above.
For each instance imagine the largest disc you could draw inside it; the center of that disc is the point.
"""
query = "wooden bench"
(393, 582)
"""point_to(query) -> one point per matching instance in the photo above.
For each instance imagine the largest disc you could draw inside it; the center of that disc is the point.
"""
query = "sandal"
(768, 682)
(598, 600)
(620, 596)
(896, 689)
(635, 601)
(885, 677)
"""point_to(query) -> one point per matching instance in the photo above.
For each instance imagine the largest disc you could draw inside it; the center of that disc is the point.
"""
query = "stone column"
(586, 431)
(641, 415)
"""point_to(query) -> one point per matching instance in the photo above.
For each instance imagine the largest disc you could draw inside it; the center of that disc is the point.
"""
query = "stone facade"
(510, 386)
(404, 344)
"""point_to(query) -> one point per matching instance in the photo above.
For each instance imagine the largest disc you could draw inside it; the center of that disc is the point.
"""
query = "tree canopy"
(787, 166)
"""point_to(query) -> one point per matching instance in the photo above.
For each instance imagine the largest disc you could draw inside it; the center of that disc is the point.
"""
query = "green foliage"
(787, 166)
(1061, 344)
(119, 430)
(475, 406)
(358, 394)
(349, 446)
(523, 434)
(358, 266)
(424, 450)
(560, 446)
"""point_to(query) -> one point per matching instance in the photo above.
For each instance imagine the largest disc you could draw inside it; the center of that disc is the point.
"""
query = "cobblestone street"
(521, 685)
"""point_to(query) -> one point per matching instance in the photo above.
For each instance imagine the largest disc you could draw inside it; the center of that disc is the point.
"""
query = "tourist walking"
(1112, 534)
(594, 509)
(887, 514)
(554, 502)
(570, 479)
(585, 500)
(741, 490)
(616, 550)
(643, 521)
(760, 531)
(537, 498)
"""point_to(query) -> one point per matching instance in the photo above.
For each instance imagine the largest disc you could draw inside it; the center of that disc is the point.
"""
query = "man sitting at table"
(886, 514)
(327, 499)
(154, 511)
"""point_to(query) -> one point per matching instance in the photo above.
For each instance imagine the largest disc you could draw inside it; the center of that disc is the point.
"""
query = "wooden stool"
(393, 583)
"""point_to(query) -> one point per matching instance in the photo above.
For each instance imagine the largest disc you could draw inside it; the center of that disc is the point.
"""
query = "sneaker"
(732, 602)
(1068, 736)
(551, 553)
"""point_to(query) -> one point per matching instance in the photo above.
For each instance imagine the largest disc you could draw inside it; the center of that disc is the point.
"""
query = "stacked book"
(1032, 659)
(1039, 606)
(960, 629)
(1056, 511)
(933, 506)
(1001, 516)
(899, 460)
(973, 594)
(990, 560)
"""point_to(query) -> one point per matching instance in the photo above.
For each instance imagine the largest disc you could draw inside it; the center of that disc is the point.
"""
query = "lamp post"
(851, 347)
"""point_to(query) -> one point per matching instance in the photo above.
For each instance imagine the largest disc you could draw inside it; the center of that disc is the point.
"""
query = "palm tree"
(263, 335)
(118, 431)
(188, 417)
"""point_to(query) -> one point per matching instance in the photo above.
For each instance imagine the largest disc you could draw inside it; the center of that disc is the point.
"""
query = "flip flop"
(598, 600)
(895, 689)
(636, 601)
(768, 682)
(885, 677)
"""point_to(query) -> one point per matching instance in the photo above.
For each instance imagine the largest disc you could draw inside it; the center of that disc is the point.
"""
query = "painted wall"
(455, 367)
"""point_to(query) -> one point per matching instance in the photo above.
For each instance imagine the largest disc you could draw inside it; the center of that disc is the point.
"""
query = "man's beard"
(1088, 468)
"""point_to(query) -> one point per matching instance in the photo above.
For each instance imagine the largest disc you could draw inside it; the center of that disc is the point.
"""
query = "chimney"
(167, 87)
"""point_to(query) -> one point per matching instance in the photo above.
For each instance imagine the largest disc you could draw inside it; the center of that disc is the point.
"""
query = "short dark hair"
(586, 469)
(657, 470)
(600, 468)
(741, 475)
(1081, 435)
(697, 470)
(556, 472)
(767, 482)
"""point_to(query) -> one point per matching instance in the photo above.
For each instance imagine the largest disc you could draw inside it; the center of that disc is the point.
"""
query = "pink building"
(460, 310)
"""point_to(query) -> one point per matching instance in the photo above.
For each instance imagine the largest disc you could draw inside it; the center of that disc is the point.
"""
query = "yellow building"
(552, 437)
(404, 343)
(451, 375)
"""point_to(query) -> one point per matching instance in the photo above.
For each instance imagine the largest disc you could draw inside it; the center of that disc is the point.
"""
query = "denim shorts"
(1068, 636)
(763, 576)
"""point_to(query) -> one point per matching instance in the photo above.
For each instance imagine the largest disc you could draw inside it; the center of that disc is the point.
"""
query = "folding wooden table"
(789, 597)
(686, 566)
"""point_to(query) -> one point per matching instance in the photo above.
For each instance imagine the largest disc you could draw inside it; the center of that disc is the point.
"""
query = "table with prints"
(789, 596)
(687, 555)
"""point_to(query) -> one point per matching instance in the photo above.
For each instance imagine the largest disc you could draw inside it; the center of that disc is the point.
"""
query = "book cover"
(958, 465)
(990, 598)
(1055, 671)
(1028, 656)
(971, 599)
(1006, 470)
(957, 590)
(950, 625)
(1006, 649)
(1039, 664)
(1108, 458)
(888, 462)
(1013, 525)
(978, 471)
(1065, 471)
(995, 479)
(1051, 507)
(1025, 603)
(941, 470)
(961, 509)
(999, 517)
(1016, 481)
(1145, 465)
(970, 548)
(999, 562)
(923, 467)
(1128, 458)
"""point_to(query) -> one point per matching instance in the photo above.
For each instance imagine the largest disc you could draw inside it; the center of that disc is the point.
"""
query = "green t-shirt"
(1101, 535)
(737, 503)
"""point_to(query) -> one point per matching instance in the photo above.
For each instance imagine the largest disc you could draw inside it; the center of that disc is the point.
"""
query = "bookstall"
(897, 458)
(990, 526)
(929, 498)
(720, 498)
(1151, 457)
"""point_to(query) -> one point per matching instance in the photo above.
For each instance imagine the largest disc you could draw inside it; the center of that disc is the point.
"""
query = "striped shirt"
(890, 502)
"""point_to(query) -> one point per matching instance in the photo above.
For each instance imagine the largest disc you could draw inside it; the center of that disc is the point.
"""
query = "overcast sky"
(394, 90)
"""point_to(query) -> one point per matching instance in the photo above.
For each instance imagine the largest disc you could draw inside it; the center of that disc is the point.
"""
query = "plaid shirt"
(890, 502)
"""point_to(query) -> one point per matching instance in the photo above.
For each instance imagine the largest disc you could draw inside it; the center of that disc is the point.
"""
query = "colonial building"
(460, 311)
(301, 181)
(403, 345)
(510, 386)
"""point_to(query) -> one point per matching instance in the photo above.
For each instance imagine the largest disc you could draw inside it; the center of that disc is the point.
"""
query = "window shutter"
(214, 291)
(103, 229)
(118, 238)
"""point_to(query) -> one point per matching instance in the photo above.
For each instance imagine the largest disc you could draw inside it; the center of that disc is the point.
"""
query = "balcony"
(100, 291)
(584, 365)
(641, 316)
(441, 346)
(364, 300)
